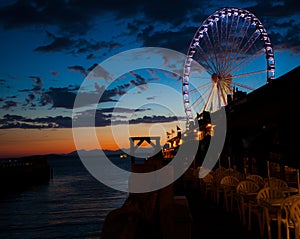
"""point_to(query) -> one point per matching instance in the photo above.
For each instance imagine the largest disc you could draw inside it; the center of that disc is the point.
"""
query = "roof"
(273, 102)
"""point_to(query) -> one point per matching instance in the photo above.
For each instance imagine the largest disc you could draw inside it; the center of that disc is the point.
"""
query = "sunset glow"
(25, 142)
(50, 50)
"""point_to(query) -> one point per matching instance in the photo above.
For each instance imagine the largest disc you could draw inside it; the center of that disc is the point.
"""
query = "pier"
(18, 173)
(188, 208)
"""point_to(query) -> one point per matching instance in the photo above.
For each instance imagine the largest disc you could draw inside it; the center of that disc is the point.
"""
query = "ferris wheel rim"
(225, 11)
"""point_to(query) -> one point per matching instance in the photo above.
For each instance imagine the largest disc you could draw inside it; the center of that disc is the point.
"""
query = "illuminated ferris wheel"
(233, 52)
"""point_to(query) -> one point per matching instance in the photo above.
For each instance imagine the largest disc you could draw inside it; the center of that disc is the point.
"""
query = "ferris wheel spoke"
(212, 51)
(243, 86)
(248, 44)
(220, 45)
(197, 102)
(230, 39)
(219, 96)
(210, 65)
(223, 95)
(200, 56)
(222, 35)
(199, 88)
(205, 98)
(249, 74)
(238, 38)
(229, 44)
(236, 44)
(208, 46)
(232, 42)
(210, 98)
(227, 88)
(225, 35)
(238, 69)
(216, 99)
(217, 43)
(204, 92)
(243, 63)
(201, 97)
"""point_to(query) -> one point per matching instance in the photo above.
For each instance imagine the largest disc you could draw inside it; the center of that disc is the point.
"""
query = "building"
(263, 125)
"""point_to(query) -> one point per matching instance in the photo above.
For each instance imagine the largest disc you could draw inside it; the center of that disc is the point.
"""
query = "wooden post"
(298, 181)
(132, 151)
(268, 168)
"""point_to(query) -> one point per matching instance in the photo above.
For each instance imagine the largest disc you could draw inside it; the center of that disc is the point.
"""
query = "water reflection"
(72, 205)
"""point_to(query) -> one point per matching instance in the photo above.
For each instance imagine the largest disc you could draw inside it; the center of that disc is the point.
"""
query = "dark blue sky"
(48, 47)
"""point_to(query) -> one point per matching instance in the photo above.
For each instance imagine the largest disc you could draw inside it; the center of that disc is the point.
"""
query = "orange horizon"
(19, 142)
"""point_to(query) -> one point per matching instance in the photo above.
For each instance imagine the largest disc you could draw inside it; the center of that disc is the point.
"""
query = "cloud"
(37, 80)
(57, 44)
(269, 8)
(281, 21)
(154, 23)
(101, 119)
(123, 110)
(90, 56)
(64, 97)
(139, 81)
(104, 117)
(37, 84)
(29, 99)
(17, 121)
(60, 97)
(94, 71)
(177, 39)
(62, 14)
(97, 71)
(73, 45)
(173, 12)
(288, 39)
(8, 104)
(55, 73)
(155, 119)
(45, 99)
(77, 16)
(151, 98)
(109, 94)
(77, 68)
(99, 88)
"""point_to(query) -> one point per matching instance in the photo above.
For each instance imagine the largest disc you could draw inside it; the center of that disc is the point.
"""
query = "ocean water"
(72, 205)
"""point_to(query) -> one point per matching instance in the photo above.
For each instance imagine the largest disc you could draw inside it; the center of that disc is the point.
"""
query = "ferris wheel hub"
(215, 78)
(231, 45)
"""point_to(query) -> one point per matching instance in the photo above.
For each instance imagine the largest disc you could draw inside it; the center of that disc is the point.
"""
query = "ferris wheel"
(231, 51)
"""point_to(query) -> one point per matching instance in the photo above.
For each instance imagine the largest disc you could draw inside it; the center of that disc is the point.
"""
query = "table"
(274, 202)
(290, 190)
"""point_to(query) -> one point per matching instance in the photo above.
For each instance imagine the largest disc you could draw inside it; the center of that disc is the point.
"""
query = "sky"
(49, 49)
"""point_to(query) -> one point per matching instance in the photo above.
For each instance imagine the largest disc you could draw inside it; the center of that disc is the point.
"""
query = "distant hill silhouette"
(94, 152)
(71, 154)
